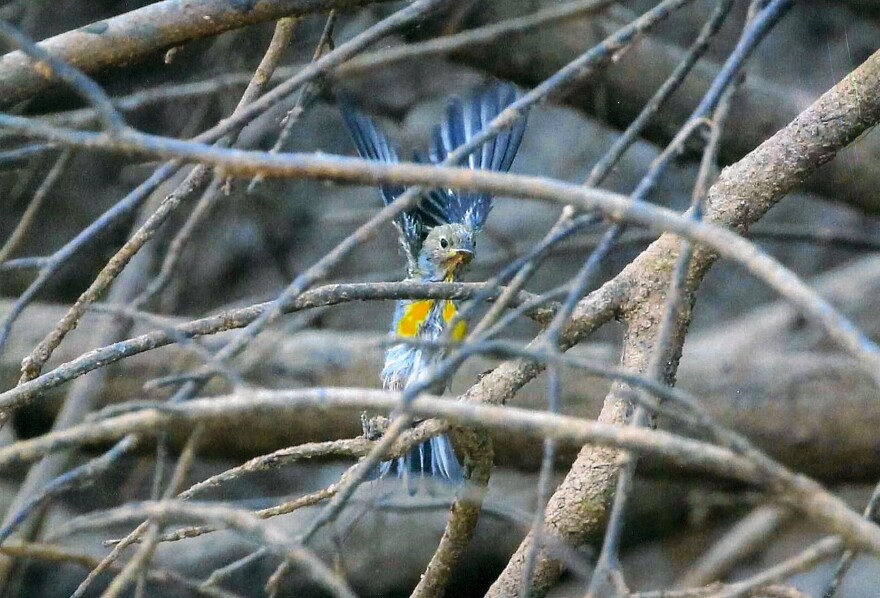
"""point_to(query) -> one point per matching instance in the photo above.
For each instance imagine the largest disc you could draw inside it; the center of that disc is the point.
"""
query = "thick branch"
(139, 33)
(740, 197)
(807, 496)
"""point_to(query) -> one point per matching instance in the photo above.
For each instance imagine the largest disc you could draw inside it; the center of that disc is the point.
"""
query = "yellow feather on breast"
(414, 315)
(449, 312)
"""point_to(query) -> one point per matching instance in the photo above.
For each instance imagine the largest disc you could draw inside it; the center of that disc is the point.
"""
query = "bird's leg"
(373, 427)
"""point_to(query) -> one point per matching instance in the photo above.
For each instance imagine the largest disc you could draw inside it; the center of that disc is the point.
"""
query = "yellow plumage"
(449, 312)
(416, 313)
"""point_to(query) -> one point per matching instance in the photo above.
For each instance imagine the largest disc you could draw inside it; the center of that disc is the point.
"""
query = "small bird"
(438, 240)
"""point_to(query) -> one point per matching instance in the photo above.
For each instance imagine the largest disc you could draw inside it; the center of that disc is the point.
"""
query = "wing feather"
(431, 211)
(372, 144)
(463, 122)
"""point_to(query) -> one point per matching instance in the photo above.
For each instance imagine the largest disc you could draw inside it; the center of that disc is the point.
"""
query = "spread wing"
(462, 123)
(372, 144)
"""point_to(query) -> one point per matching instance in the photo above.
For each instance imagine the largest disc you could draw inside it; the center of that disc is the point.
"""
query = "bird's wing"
(431, 208)
(372, 144)
(464, 120)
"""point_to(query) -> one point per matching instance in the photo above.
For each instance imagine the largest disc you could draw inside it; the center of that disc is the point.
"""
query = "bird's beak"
(461, 257)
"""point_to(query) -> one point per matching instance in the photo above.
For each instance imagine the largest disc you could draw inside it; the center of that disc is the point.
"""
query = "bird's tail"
(433, 458)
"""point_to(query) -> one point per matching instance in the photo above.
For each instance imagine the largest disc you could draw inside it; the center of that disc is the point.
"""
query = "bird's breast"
(449, 313)
(417, 315)
(414, 316)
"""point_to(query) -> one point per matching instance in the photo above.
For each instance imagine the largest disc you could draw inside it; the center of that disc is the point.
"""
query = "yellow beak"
(460, 257)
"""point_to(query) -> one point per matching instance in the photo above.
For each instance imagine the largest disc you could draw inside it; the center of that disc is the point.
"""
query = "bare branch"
(742, 194)
(145, 31)
(803, 494)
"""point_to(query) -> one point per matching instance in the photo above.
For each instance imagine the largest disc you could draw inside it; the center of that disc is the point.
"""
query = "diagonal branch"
(145, 31)
(741, 196)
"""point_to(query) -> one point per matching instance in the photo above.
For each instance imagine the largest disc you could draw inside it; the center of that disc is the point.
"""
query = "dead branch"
(803, 494)
(762, 107)
(146, 31)
(740, 197)
(722, 241)
(803, 430)
(638, 297)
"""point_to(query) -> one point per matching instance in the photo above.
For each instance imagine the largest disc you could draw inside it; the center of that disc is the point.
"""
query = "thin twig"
(802, 493)
(27, 219)
(52, 553)
(741, 542)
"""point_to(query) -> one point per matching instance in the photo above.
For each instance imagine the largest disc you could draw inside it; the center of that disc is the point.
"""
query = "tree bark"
(740, 197)
(140, 33)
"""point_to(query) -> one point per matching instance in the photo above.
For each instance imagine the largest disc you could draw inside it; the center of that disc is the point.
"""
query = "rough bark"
(741, 196)
(140, 33)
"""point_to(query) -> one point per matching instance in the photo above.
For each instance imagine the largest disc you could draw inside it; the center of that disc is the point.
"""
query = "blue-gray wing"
(372, 144)
(463, 121)
(431, 209)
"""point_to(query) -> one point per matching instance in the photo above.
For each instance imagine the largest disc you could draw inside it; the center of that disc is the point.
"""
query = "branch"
(805, 495)
(762, 106)
(138, 34)
(805, 432)
(57, 554)
(800, 150)
(240, 318)
(740, 197)
(478, 457)
(242, 522)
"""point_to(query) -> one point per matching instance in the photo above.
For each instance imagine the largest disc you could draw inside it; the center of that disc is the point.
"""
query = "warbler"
(438, 239)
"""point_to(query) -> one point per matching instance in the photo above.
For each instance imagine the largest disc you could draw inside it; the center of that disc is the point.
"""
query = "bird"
(438, 241)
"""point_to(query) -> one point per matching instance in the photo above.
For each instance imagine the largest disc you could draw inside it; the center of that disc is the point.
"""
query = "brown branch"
(240, 521)
(479, 456)
(762, 106)
(83, 396)
(58, 554)
(138, 34)
(803, 494)
(615, 206)
(240, 318)
(831, 441)
(740, 197)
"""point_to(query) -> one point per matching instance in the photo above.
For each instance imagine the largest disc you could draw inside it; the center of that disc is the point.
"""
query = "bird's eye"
(444, 243)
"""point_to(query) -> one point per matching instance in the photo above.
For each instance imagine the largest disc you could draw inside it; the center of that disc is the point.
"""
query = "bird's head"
(447, 250)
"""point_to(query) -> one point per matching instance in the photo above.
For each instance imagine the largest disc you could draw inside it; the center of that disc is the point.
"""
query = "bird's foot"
(373, 427)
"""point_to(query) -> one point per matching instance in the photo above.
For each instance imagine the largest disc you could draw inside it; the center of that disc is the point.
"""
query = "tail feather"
(443, 461)
(433, 458)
